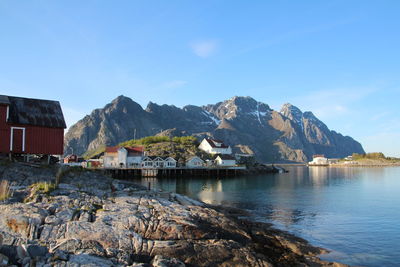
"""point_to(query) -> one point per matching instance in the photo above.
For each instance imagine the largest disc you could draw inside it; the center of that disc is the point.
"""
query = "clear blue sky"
(339, 59)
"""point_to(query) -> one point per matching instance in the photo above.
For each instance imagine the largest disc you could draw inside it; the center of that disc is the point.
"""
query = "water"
(353, 212)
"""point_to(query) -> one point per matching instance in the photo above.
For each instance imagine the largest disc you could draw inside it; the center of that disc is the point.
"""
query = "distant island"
(370, 159)
(356, 160)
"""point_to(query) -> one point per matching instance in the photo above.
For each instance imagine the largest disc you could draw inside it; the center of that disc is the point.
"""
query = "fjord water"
(354, 212)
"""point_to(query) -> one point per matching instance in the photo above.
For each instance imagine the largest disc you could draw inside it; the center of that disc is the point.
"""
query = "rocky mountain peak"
(242, 122)
(238, 106)
(124, 104)
(292, 112)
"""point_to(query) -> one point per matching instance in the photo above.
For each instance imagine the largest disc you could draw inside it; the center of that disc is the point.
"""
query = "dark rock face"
(247, 125)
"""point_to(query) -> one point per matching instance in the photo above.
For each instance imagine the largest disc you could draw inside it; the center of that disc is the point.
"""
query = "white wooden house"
(213, 146)
(319, 160)
(151, 162)
(225, 160)
(123, 157)
(195, 162)
(147, 163)
(169, 162)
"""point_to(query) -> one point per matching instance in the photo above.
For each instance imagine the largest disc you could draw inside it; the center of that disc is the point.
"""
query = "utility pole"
(134, 134)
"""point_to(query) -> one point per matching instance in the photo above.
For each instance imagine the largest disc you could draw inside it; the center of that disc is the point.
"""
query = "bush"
(185, 140)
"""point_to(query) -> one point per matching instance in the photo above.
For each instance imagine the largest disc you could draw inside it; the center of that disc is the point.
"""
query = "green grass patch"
(5, 191)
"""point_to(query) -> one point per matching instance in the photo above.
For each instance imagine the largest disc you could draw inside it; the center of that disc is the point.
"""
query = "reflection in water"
(351, 211)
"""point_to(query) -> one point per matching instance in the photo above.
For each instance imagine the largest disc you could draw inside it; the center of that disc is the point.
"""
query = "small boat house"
(31, 126)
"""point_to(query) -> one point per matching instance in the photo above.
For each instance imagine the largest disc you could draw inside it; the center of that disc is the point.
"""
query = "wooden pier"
(174, 172)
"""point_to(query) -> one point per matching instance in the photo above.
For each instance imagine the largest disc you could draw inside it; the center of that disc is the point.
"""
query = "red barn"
(31, 126)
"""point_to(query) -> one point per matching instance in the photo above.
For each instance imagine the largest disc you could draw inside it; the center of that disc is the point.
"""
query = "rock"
(52, 219)
(84, 260)
(22, 253)
(63, 186)
(60, 255)
(161, 261)
(26, 261)
(3, 260)
(136, 227)
(36, 251)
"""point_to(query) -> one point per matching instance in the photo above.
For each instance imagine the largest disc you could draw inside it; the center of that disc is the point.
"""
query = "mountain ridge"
(246, 124)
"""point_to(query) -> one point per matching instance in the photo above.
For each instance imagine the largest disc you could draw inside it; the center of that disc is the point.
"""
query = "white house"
(225, 160)
(195, 162)
(213, 146)
(150, 162)
(147, 163)
(169, 162)
(123, 157)
(319, 160)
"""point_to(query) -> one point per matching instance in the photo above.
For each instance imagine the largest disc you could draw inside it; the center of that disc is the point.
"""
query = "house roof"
(36, 112)
(158, 157)
(112, 149)
(4, 100)
(225, 157)
(135, 149)
(214, 143)
(195, 157)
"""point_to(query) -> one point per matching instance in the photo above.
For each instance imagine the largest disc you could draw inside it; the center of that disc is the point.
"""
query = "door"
(17, 140)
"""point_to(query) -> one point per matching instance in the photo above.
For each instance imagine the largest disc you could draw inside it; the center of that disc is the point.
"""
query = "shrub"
(5, 191)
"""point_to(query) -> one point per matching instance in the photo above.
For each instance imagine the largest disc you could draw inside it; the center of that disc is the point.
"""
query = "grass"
(40, 188)
(5, 191)
(43, 187)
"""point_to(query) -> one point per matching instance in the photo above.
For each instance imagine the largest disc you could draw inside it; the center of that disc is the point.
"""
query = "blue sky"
(339, 59)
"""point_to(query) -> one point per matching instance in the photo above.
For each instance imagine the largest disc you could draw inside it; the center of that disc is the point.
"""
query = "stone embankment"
(93, 220)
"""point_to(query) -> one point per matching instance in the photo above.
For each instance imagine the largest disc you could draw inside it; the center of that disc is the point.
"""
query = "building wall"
(205, 146)
(195, 163)
(122, 157)
(319, 161)
(133, 162)
(170, 164)
(225, 162)
(147, 164)
(110, 160)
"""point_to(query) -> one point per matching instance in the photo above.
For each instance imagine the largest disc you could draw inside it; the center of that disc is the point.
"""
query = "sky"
(338, 59)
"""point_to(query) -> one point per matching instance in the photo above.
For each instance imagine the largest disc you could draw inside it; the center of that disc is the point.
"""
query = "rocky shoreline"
(93, 220)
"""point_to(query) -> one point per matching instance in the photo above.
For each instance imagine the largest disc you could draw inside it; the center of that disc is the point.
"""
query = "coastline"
(93, 219)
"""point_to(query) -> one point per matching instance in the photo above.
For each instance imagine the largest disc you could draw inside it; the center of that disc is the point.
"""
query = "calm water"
(354, 212)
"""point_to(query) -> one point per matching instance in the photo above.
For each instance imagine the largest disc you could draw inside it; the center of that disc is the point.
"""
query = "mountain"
(247, 125)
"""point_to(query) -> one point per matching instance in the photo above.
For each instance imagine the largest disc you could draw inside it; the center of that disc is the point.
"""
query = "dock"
(174, 172)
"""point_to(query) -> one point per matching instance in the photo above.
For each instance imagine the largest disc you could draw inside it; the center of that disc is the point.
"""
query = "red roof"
(112, 149)
(137, 149)
(134, 149)
(212, 143)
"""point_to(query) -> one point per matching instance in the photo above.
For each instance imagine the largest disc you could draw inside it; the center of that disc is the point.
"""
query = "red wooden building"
(31, 126)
